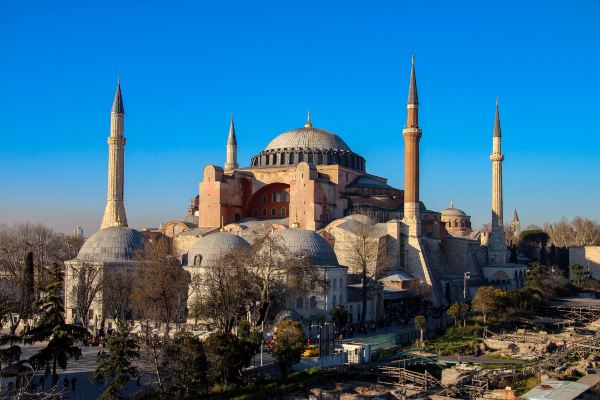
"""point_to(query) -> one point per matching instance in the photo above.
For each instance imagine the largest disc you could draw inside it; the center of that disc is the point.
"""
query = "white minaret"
(114, 214)
(497, 241)
(231, 157)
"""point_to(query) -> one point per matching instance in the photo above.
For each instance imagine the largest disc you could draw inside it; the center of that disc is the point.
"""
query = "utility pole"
(467, 276)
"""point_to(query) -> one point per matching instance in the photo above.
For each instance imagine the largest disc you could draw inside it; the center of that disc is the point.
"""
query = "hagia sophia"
(312, 190)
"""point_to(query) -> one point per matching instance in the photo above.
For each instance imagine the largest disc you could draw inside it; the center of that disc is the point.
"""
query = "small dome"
(308, 243)
(115, 243)
(214, 246)
(453, 212)
(308, 138)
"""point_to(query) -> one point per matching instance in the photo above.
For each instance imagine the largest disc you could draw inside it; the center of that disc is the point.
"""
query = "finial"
(413, 58)
(497, 101)
(118, 79)
(232, 115)
(308, 123)
(222, 225)
(296, 224)
(451, 204)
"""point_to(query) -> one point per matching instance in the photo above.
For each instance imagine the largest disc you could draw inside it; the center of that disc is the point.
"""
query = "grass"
(456, 340)
(272, 388)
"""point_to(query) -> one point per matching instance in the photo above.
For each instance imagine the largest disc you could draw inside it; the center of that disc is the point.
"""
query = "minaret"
(231, 158)
(114, 214)
(515, 226)
(412, 136)
(497, 242)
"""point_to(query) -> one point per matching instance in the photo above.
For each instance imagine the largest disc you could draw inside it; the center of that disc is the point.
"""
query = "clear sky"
(185, 66)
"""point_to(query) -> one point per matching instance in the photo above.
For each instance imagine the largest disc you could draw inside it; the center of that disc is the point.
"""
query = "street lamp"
(466, 277)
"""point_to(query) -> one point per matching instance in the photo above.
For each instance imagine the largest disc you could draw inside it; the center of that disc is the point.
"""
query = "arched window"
(263, 198)
(313, 302)
(255, 212)
(273, 212)
(334, 286)
(282, 158)
(197, 260)
(267, 159)
(341, 299)
(283, 212)
(291, 158)
(264, 212)
(299, 303)
(334, 303)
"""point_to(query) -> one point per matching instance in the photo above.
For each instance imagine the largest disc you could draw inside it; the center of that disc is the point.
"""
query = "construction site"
(555, 355)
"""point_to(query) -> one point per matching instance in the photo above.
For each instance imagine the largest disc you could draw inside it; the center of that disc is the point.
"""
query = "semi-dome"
(208, 250)
(112, 244)
(308, 138)
(303, 242)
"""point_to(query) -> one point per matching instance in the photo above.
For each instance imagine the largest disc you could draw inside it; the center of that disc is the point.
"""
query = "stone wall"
(586, 256)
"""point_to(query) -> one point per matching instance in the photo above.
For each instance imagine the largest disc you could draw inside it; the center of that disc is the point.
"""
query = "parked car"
(312, 350)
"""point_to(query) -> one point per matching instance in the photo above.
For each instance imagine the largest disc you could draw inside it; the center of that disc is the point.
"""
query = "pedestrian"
(73, 383)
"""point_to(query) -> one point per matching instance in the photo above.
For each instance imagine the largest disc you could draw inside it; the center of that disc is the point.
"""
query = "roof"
(497, 130)
(309, 138)
(308, 243)
(213, 247)
(453, 212)
(117, 106)
(366, 181)
(413, 97)
(115, 243)
(398, 276)
(556, 390)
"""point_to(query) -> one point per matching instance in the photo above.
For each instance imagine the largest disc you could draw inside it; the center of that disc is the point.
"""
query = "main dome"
(112, 244)
(308, 138)
(312, 145)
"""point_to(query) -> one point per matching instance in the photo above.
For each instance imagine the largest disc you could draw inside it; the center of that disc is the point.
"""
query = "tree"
(116, 366)
(87, 285)
(289, 344)
(578, 273)
(117, 293)
(51, 325)
(185, 366)
(362, 251)
(222, 293)
(544, 279)
(339, 316)
(225, 357)
(578, 232)
(158, 297)
(487, 300)
(276, 272)
(458, 311)
(420, 322)
(251, 339)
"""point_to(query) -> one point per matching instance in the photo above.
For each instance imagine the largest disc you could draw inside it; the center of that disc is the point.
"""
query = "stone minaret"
(412, 136)
(231, 158)
(497, 241)
(114, 214)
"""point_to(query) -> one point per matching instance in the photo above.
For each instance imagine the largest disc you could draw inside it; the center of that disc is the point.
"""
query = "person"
(66, 383)
(73, 383)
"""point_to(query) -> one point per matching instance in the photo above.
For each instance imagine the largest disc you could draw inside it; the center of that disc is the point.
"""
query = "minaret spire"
(114, 213)
(497, 241)
(412, 136)
(231, 156)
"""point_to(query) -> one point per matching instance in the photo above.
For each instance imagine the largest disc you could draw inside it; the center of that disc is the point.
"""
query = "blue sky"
(185, 66)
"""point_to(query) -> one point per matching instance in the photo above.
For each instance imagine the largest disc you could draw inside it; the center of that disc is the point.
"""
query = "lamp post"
(466, 277)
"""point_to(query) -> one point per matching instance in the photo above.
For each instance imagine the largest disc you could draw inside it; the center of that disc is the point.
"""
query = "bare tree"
(88, 285)
(117, 292)
(363, 253)
(158, 297)
(223, 292)
(578, 232)
(276, 272)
